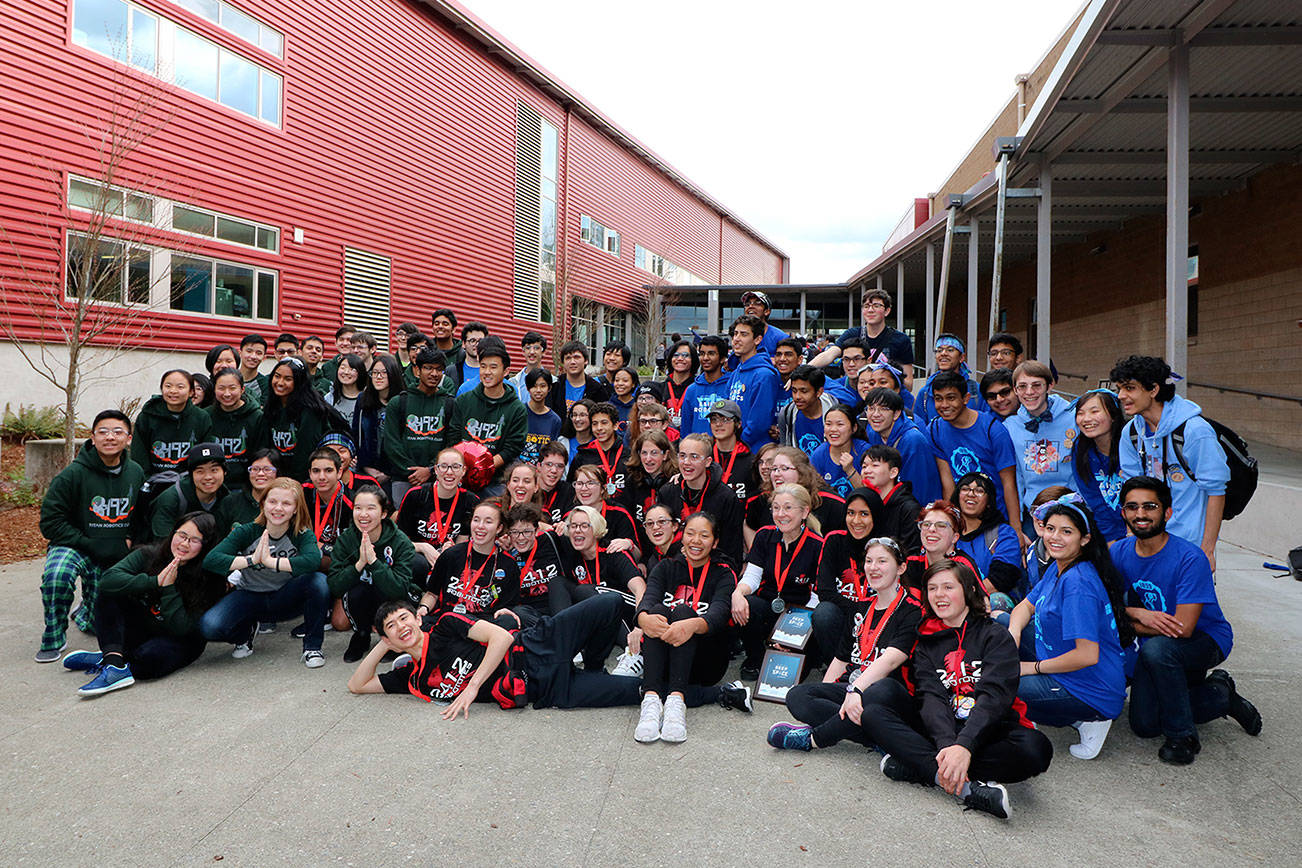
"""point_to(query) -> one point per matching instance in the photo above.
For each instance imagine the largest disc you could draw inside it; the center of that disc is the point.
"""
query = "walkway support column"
(1177, 210)
(1043, 262)
(803, 299)
(930, 289)
(973, 261)
(899, 295)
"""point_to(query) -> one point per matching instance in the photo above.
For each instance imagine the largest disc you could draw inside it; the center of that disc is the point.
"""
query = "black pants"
(420, 570)
(361, 602)
(616, 635)
(701, 660)
(124, 626)
(819, 705)
(830, 624)
(755, 635)
(891, 721)
(550, 646)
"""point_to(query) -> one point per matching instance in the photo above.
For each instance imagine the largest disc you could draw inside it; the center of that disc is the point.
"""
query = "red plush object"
(479, 464)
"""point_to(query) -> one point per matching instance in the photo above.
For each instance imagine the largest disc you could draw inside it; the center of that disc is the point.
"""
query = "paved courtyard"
(263, 762)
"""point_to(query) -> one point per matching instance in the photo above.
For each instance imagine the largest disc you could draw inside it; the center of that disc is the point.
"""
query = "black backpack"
(141, 517)
(1243, 467)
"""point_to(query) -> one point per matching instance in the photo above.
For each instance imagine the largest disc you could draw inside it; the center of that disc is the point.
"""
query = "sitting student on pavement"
(841, 588)
(1183, 632)
(538, 558)
(476, 578)
(880, 470)
(436, 516)
(149, 608)
(986, 537)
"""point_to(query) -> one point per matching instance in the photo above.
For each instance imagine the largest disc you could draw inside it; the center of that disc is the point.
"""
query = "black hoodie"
(900, 520)
(673, 583)
(716, 498)
(967, 682)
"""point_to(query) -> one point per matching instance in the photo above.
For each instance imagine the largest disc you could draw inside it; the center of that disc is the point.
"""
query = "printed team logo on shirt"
(682, 596)
(285, 440)
(111, 509)
(1041, 456)
(537, 580)
(703, 405)
(429, 530)
(845, 587)
(533, 444)
(841, 486)
(1109, 487)
(424, 426)
(963, 461)
(446, 685)
(484, 431)
(808, 443)
(170, 451)
(736, 391)
(236, 446)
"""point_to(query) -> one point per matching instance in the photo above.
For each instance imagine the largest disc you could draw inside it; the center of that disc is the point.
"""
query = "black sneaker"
(1243, 711)
(749, 670)
(736, 695)
(899, 771)
(358, 646)
(1179, 751)
(989, 798)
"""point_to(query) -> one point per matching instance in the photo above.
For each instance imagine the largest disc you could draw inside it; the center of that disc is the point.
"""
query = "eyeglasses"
(1005, 392)
(935, 525)
(261, 471)
(874, 305)
(585, 483)
(1141, 507)
(181, 535)
(691, 456)
(1032, 387)
(845, 358)
(553, 465)
(681, 356)
(659, 522)
(1003, 353)
(448, 468)
(650, 420)
(522, 534)
(111, 432)
(767, 465)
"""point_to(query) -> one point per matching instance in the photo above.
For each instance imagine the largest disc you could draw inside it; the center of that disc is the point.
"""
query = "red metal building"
(311, 162)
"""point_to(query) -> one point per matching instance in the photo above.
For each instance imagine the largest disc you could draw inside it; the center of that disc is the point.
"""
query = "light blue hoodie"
(1202, 453)
(1043, 456)
(697, 401)
(756, 385)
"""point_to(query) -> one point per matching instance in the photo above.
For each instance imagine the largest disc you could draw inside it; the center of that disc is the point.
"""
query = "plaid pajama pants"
(63, 566)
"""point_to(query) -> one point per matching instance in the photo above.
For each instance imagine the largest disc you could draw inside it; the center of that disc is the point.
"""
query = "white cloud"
(817, 123)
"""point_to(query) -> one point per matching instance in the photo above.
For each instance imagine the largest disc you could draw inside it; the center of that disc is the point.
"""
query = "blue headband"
(886, 366)
(1071, 500)
(948, 341)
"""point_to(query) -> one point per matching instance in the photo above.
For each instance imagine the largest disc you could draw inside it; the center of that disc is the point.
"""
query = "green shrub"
(32, 423)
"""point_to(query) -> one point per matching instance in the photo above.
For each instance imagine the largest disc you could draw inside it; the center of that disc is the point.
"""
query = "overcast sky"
(815, 122)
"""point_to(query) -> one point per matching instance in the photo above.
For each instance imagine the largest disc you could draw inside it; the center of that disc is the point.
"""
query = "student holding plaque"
(780, 572)
(964, 727)
(876, 645)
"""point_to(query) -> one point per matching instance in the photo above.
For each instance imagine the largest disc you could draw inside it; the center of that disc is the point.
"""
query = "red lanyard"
(551, 498)
(436, 516)
(528, 563)
(700, 586)
(779, 574)
(732, 459)
(594, 568)
(857, 576)
(317, 524)
(675, 402)
(608, 467)
(468, 580)
(868, 641)
(886, 498)
(685, 510)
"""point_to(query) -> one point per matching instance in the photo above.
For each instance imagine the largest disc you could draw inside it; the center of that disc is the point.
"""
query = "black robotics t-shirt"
(901, 632)
(450, 659)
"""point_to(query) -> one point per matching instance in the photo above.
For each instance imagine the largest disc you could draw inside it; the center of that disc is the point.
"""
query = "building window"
(1191, 325)
(162, 48)
(584, 318)
(592, 232)
(108, 270)
(649, 260)
(238, 23)
(537, 170)
(202, 285)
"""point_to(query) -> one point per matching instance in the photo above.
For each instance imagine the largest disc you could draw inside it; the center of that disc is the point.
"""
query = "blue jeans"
(234, 616)
(1049, 703)
(1170, 695)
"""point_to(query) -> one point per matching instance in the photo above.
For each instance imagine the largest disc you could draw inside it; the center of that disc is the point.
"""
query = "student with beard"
(295, 418)
(594, 570)
(590, 487)
(986, 538)
(880, 470)
(147, 618)
(684, 617)
(888, 426)
(841, 588)
(662, 531)
(710, 385)
(418, 425)
(1172, 605)
(874, 644)
(1073, 671)
(168, 425)
(780, 572)
(649, 468)
(734, 459)
(476, 577)
(606, 449)
(699, 491)
(556, 494)
(370, 565)
(436, 516)
(939, 527)
(236, 424)
(1096, 459)
(683, 365)
(538, 558)
(964, 726)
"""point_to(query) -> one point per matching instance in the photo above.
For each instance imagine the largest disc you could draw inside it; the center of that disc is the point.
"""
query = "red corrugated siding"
(398, 138)
(745, 261)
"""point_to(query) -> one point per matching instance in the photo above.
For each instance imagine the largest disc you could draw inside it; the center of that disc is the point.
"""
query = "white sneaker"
(674, 727)
(1092, 735)
(265, 627)
(242, 650)
(400, 661)
(628, 664)
(313, 659)
(648, 724)
(578, 659)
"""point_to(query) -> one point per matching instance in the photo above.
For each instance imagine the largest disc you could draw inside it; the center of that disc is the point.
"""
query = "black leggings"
(124, 626)
(1007, 755)
(361, 602)
(702, 659)
(819, 705)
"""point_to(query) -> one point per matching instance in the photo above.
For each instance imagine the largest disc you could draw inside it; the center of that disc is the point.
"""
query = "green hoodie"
(129, 577)
(239, 432)
(88, 506)
(238, 507)
(295, 436)
(416, 428)
(161, 439)
(175, 501)
(257, 390)
(500, 424)
(390, 575)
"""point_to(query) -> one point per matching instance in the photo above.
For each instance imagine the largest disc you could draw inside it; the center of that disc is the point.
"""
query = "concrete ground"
(263, 762)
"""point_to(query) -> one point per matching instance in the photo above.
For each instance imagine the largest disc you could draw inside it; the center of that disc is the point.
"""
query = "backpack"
(149, 492)
(1243, 467)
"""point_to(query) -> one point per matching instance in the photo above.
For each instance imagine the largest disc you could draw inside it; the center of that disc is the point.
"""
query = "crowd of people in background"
(982, 557)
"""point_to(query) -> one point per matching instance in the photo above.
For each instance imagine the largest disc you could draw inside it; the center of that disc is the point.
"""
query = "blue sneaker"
(82, 661)
(109, 678)
(791, 736)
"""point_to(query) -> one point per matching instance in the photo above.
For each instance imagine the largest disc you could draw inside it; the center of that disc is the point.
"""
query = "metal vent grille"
(528, 224)
(366, 293)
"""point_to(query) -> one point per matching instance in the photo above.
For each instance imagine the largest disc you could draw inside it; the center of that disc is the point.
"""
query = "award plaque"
(793, 629)
(779, 672)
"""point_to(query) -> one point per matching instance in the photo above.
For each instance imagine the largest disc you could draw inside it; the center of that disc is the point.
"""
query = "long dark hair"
(353, 361)
(1084, 445)
(991, 516)
(369, 401)
(567, 427)
(304, 399)
(691, 351)
(199, 590)
(1095, 552)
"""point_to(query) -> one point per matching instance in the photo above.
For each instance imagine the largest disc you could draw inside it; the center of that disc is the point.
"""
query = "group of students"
(976, 562)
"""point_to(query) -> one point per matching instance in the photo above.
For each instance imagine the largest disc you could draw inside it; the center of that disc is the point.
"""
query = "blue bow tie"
(1033, 424)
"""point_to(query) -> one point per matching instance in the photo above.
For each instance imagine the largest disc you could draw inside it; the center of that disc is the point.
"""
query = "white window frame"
(588, 227)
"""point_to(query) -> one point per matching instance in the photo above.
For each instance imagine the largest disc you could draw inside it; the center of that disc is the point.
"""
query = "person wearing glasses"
(939, 526)
(436, 516)
(538, 558)
(698, 490)
(875, 644)
(1004, 353)
(476, 578)
(1000, 394)
(86, 517)
(683, 365)
(880, 342)
(661, 529)
(554, 490)
(1043, 432)
(465, 365)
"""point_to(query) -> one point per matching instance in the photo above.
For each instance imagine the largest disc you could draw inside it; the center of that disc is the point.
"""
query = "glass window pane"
(548, 225)
(144, 40)
(140, 208)
(92, 197)
(268, 239)
(191, 283)
(239, 84)
(548, 301)
(237, 231)
(138, 280)
(195, 63)
(206, 8)
(188, 220)
(101, 25)
(266, 295)
(550, 148)
(271, 85)
(271, 41)
(240, 24)
(234, 295)
(98, 270)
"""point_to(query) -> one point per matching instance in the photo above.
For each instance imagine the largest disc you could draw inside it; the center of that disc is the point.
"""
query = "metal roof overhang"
(1099, 123)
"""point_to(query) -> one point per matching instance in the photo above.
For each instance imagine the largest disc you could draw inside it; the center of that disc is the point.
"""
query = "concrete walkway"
(263, 762)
